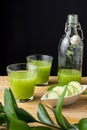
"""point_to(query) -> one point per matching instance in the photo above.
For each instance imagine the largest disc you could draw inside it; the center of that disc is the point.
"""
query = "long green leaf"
(58, 111)
(43, 115)
(62, 121)
(65, 120)
(24, 115)
(21, 113)
(8, 105)
(13, 98)
(69, 125)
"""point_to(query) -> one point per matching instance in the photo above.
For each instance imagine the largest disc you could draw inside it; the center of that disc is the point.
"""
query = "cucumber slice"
(60, 90)
(52, 94)
(71, 90)
(76, 85)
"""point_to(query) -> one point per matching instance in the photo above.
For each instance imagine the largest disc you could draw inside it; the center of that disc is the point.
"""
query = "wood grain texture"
(73, 112)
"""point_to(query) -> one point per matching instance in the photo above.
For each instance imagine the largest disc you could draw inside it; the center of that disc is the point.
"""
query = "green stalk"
(58, 111)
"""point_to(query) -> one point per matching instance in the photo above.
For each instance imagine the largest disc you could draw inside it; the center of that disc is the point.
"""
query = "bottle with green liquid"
(70, 52)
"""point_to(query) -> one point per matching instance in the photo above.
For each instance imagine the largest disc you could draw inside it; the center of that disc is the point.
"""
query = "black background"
(36, 26)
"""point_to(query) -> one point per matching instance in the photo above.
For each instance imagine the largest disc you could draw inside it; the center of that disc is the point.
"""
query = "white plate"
(67, 100)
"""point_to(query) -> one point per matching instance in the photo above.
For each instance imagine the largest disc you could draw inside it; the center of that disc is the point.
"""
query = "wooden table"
(73, 112)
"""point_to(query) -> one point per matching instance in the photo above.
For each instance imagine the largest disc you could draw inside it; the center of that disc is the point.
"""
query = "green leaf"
(83, 124)
(43, 115)
(18, 125)
(13, 99)
(70, 126)
(62, 121)
(58, 111)
(24, 115)
(76, 127)
(8, 105)
(1, 107)
(2, 118)
(21, 113)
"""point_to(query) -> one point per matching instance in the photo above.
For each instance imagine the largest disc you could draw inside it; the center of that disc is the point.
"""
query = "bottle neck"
(72, 30)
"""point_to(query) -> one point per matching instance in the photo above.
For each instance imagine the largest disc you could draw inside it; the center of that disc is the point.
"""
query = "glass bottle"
(70, 52)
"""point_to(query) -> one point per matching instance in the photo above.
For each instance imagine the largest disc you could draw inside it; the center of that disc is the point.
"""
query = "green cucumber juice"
(22, 84)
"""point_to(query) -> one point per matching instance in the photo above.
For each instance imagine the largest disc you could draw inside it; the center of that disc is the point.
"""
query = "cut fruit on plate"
(67, 100)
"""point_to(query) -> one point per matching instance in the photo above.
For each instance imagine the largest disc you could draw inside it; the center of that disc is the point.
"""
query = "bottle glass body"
(70, 55)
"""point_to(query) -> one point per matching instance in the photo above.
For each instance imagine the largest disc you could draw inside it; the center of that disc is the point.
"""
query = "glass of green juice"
(44, 64)
(67, 75)
(22, 80)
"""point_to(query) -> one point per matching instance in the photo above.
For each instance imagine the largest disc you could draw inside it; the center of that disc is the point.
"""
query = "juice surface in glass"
(67, 75)
(44, 68)
(22, 84)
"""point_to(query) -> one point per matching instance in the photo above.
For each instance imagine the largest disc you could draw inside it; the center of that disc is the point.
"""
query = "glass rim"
(15, 64)
(39, 55)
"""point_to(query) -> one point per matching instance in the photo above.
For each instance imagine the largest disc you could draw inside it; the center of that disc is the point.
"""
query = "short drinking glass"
(22, 80)
(44, 64)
